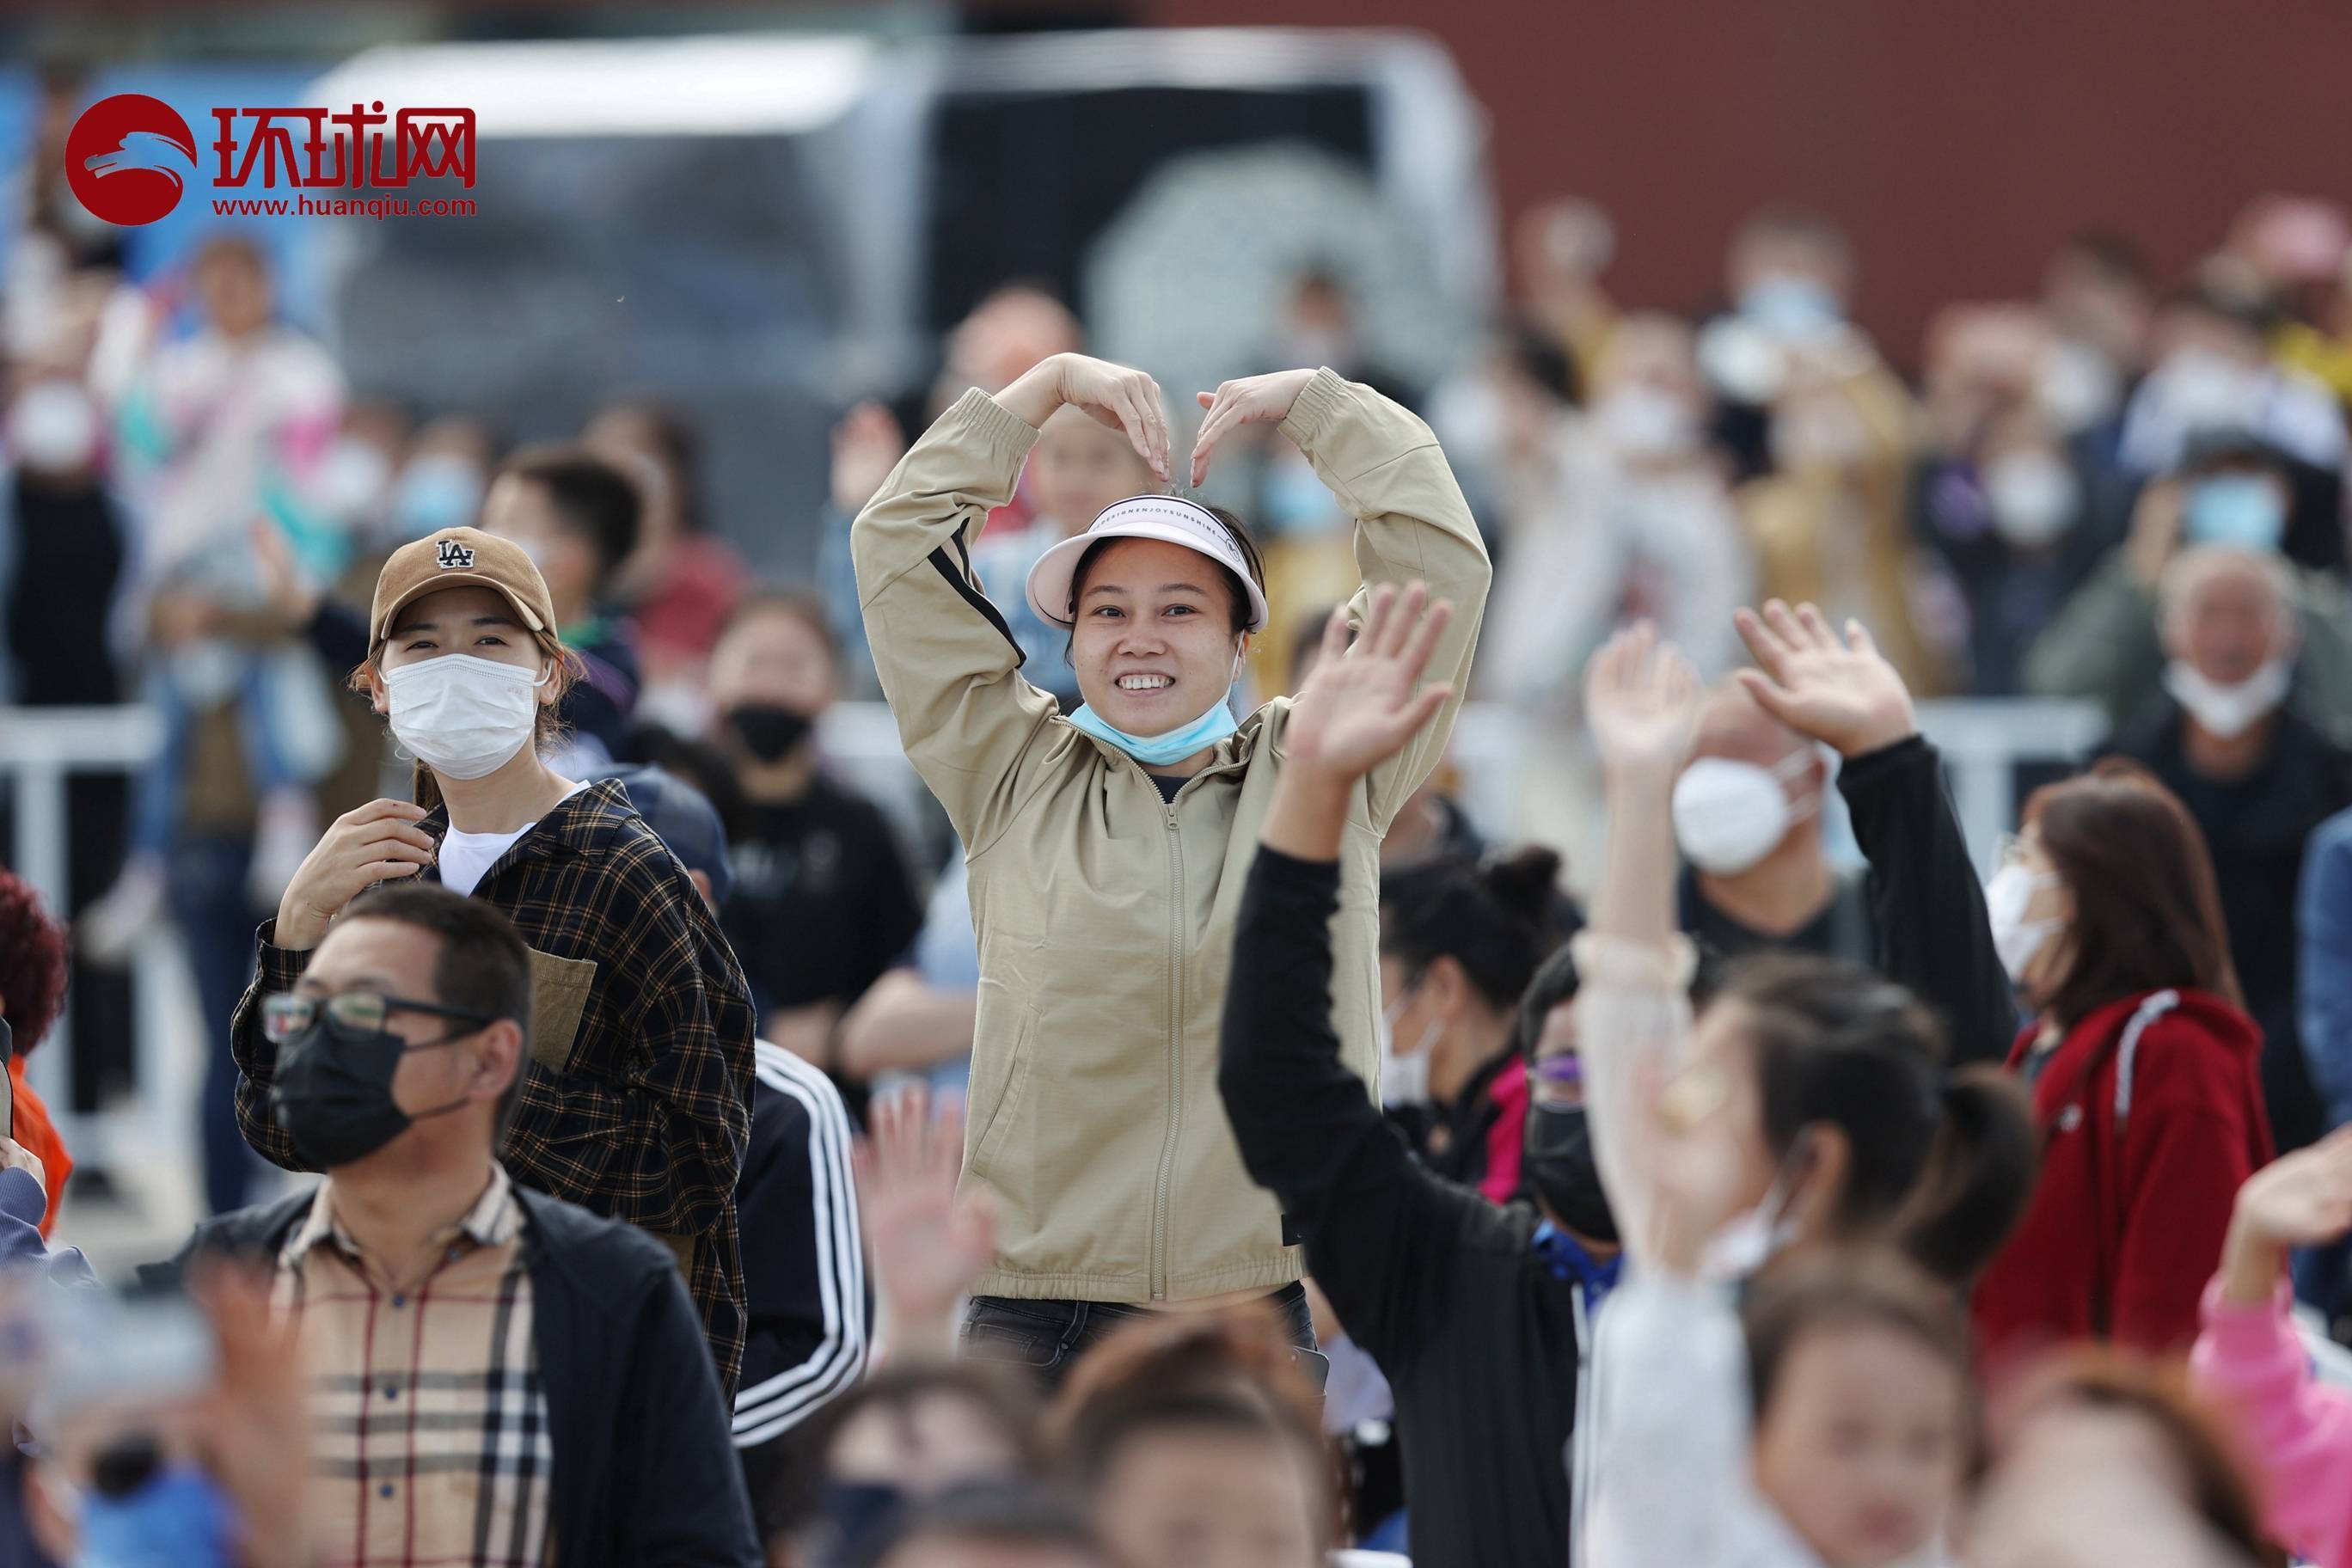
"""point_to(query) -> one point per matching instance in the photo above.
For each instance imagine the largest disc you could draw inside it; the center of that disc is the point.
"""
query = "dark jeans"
(204, 878)
(1048, 1337)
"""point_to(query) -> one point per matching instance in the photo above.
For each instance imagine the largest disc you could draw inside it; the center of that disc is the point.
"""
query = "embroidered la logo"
(455, 556)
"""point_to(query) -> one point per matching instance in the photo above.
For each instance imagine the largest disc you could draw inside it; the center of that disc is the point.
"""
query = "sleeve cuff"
(2237, 1331)
(1318, 874)
(1614, 960)
(1313, 408)
(276, 968)
(1008, 436)
(1859, 773)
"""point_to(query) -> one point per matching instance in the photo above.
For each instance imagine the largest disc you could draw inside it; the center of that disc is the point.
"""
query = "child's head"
(1828, 1080)
(573, 514)
(1197, 1442)
(2099, 1417)
(1865, 1417)
(1080, 467)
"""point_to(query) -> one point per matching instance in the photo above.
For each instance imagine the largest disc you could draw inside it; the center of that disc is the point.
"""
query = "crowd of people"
(1195, 1138)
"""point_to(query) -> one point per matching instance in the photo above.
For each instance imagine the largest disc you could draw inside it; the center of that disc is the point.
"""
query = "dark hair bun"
(1523, 880)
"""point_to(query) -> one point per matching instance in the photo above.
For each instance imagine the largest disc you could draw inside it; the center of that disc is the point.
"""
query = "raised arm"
(1632, 1011)
(1934, 935)
(946, 661)
(1384, 466)
(1378, 1229)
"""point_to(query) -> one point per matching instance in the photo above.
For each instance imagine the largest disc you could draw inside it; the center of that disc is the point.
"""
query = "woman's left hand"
(1253, 400)
(1360, 706)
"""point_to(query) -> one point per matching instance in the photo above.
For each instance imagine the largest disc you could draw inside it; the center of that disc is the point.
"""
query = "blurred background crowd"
(1668, 389)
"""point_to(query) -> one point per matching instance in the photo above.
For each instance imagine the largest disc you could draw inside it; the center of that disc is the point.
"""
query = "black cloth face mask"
(1558, 1153)
(768, 730)
(332, 1093)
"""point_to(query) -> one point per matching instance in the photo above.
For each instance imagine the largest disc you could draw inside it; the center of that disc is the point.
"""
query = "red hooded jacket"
(2151, 1115)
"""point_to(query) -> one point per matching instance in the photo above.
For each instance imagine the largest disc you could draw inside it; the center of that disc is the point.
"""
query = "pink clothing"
(2250, 1361)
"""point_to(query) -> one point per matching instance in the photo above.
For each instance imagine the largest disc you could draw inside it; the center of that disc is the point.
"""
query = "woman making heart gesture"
(1107, 849)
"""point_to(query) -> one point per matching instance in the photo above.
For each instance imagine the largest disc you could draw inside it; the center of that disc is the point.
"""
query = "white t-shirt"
(465, 856)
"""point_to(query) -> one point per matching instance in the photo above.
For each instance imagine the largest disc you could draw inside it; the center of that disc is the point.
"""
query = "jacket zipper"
(1160, 1193)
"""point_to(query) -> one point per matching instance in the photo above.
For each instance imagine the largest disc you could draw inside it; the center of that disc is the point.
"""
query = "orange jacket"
(38, 1134)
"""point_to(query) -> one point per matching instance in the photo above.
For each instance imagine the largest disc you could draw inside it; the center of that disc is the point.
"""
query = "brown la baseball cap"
(459, 558)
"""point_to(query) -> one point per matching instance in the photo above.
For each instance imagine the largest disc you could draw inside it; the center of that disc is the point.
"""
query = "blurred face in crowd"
(233, 286)
(1080, 466)
(773, 658)
(1201, 1497)
(940, 1441)
(627, 438)
(2229, 621)
(1865, 1442)
(1155, 645)
(1816, 430)
(441, 481)
(945, 1552)
(1801, 261)
(2091, 299)
(521, 509)
(2031, 485)
(1649, 401)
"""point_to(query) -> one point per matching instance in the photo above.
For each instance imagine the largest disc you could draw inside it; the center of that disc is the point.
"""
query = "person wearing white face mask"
(2256, 777)
(2143, 1065)
(1747, 817)
(2106, 644)
(636, 1103)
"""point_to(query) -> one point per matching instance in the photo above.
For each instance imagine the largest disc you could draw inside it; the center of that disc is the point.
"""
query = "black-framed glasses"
(291, 1013)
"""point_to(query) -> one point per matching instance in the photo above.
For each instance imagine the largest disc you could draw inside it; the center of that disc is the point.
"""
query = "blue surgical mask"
(433, 492)
(1159, 750)
(2241, 510)
(1790, 305)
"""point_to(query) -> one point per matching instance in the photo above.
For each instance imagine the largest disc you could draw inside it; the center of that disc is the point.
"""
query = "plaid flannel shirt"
(431, 1442)
(643, 1112)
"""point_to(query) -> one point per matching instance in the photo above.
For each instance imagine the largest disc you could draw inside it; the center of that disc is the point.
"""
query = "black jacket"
(644, 1474)
(1475, 1330)
(2256, 829)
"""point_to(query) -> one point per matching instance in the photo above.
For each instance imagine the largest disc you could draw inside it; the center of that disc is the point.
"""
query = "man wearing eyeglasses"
(497, 1376)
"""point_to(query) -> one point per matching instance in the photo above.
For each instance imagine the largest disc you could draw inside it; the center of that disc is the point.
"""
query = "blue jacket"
(2323, 925)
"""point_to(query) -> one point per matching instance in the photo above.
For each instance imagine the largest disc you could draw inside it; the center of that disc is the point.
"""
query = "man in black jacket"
(497, 1376)
(1477, 1314)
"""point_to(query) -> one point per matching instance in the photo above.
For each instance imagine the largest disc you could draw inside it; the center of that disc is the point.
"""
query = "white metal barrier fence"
(1982, 740)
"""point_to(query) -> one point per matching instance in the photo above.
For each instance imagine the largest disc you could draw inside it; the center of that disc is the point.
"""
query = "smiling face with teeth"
(1158, 635)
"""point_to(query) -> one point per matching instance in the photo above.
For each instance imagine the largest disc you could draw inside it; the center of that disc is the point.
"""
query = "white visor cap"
(1170, 519)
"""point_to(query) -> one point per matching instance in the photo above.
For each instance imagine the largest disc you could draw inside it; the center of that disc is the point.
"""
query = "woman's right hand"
(1640, 700)
(373, 844)
(2302, 1199)
(1127, 400)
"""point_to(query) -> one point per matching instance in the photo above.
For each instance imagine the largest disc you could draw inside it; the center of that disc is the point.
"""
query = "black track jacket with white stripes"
(803, 1262)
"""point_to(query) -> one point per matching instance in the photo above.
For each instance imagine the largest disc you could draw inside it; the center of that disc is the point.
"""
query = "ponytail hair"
(1940, 1166)
(1979, 1175)
(1492, 917)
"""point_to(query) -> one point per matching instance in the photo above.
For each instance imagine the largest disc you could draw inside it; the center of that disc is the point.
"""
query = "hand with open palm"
(1361, 705)
(1641, 701)
(930, 1242)
(2300, 1199)
(1841, 692)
